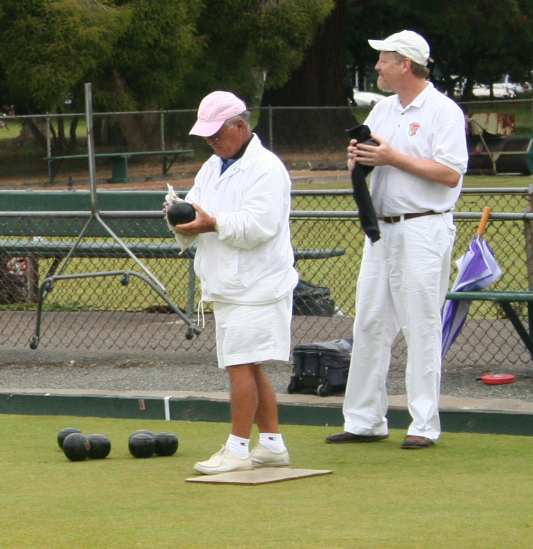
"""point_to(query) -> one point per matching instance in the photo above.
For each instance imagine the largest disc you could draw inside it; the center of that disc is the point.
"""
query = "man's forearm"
(426, 169)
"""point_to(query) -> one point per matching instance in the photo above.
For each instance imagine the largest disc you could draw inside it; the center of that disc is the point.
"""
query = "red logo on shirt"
(413, 128)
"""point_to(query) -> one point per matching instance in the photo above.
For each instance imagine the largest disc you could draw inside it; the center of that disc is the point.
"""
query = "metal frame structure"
(48, 284)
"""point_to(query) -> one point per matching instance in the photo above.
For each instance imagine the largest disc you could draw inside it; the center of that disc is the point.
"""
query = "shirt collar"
(418, 100)
(226, 163)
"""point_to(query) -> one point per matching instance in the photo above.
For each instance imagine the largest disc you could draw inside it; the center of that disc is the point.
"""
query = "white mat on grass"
(259, 476)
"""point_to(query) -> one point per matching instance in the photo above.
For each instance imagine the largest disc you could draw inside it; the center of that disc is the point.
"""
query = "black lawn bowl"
(142, 432)
(65, 433)
(141, 445)
(100, 446)
(76, 447)
(180, 212)
(166, 444)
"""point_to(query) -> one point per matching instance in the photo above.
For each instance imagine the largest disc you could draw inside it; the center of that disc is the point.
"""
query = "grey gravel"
(22, 369)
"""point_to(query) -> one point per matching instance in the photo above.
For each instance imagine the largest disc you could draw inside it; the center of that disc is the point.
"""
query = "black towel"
(367, 215)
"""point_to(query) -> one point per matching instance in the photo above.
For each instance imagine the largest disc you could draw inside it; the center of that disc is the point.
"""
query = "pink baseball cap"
(214, 110)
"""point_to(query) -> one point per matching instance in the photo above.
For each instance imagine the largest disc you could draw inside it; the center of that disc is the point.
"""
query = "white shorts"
(249, 334)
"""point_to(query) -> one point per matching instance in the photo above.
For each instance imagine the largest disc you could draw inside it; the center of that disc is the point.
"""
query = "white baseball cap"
(214, 110)
(407, 43)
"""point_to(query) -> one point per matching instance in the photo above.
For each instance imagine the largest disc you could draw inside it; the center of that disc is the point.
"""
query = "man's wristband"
(215, 226)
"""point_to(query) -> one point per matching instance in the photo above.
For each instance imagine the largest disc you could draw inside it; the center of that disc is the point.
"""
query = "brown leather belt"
(398, 218)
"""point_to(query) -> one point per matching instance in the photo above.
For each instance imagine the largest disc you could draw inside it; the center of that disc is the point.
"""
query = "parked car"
(366, 99)
(500, 91)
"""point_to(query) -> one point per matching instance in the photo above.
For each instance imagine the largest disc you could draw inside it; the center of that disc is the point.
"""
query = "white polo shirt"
(431, 127)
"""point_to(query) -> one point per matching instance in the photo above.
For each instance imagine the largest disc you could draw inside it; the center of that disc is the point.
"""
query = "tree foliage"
(255, 43)
(48, 46)
(474, 41)
(149, 54)
(154, 55)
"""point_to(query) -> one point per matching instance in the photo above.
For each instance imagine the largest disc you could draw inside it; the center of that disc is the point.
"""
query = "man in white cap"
(244, 260)
(417, 175)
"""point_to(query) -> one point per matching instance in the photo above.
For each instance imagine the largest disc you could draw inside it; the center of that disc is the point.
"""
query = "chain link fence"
(135, 147)
(50, 150)
(101, 312)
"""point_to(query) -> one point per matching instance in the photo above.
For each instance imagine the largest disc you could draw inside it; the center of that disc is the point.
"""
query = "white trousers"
(402, 285)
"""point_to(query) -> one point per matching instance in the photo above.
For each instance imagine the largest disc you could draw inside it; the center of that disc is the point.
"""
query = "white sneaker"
(263, 457)
(224, 461)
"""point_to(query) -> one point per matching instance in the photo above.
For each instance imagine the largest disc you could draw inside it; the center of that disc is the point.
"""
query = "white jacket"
(250, 259)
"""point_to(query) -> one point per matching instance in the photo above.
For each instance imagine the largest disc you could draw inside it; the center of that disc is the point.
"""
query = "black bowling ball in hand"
(180, 212)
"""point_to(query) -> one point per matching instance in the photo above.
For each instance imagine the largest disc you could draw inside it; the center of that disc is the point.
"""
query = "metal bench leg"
(52, 170)
(167, 163)
(119, 170)
(517, 323)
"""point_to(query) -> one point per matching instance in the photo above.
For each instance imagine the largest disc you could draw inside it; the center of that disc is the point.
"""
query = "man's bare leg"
(244, 399)
(252, 398)
(266, 415)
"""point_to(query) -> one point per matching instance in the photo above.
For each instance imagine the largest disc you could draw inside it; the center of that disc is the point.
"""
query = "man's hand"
(371, 155)
(384, 155)
(203, 223)
(352, 147)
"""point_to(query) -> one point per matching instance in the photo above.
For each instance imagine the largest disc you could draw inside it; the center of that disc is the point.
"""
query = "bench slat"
(119, 154)
(492, 295)
(169, 249)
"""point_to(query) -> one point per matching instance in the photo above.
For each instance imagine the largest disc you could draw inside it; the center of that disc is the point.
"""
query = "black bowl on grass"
(166, 444)
(65, 433)
(142, 432)
(100, 446)
(76, 447)
(141, 445)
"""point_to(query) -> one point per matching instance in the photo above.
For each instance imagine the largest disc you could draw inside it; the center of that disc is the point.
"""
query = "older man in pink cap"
(244, 260)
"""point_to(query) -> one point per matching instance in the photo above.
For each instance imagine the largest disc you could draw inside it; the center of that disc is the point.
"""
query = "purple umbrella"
(477, 270)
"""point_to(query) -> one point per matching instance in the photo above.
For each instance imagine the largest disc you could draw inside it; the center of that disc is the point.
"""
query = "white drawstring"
(201, 308)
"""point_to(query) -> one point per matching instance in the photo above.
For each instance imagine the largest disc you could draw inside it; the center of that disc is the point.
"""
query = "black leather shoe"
(412, 442)
(350, 437)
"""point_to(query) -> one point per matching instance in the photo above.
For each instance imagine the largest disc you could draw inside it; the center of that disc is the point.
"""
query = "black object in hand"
(367, 215)
(180, 212)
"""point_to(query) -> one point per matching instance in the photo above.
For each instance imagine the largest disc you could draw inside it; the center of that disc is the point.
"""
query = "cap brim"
(380, 45)
(206, 129)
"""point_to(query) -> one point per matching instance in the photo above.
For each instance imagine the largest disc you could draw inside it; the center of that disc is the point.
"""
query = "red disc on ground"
(497, 379)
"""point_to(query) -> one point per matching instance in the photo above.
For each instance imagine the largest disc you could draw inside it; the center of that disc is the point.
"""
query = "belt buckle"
(401, 218)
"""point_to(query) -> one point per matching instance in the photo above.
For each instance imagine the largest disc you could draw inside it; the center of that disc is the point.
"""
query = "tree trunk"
(72, 133)
(319, 81)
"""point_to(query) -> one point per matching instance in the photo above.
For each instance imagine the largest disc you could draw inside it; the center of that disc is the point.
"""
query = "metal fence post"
(528, 234)
(162, 126)
(270, 128)
(49, 147)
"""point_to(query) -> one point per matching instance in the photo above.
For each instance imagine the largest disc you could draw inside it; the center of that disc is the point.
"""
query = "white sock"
(272, 441)
(239, 446)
